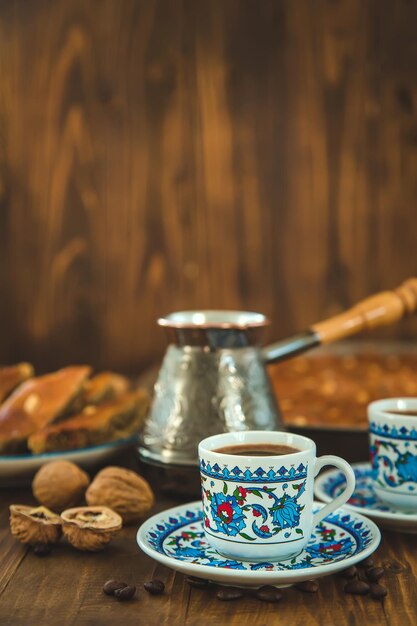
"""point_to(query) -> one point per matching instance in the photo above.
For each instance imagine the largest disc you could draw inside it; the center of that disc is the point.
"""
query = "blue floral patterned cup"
(259, 508)
(393, 448)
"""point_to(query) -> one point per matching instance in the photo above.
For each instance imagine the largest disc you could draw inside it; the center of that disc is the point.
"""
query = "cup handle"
(336, 461)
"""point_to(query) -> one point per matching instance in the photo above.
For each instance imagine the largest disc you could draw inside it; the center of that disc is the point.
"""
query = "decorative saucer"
(176, 539)
(364, 500)
(19, 469)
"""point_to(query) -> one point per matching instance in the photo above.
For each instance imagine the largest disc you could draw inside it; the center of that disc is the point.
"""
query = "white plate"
(19, 468)
(176, 539)
(364, 500)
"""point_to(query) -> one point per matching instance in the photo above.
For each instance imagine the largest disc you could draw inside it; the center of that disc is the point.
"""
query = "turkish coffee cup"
(257, 493)
(393, 449)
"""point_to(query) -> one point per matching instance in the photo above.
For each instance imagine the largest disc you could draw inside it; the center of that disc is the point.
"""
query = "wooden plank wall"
(166, 154)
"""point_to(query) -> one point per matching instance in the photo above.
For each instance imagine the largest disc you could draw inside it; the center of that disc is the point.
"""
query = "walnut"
(60, 484)
(122, 490)
(34, 525)
(90, 528)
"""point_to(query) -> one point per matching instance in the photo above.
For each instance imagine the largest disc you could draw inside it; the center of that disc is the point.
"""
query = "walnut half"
(90, 527)
(34, 525)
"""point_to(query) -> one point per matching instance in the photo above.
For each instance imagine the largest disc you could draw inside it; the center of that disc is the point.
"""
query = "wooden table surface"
(65, 588)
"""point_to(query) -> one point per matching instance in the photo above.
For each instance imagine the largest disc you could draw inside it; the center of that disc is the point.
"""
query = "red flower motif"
(207, 523)
(329, 549)
(242, 492)
(264, 529)
(256, 513)
(240, 502)
(337, 546)
(225, 512)
(184, 535)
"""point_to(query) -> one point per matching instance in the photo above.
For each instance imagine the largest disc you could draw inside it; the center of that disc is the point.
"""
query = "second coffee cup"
(393, 447)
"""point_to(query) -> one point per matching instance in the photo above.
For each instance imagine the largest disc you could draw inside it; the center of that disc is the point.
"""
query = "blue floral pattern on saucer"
(181, 537)
(364, 499)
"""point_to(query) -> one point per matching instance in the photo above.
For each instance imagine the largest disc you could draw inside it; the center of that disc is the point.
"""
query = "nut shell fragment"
(122, 490)
(60, 484)
(90, 527)
(34, 525)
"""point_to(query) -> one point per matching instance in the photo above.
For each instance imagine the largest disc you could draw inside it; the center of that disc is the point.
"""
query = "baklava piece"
(11, 376)
(103, 387)
(117, 419)
(38, 402)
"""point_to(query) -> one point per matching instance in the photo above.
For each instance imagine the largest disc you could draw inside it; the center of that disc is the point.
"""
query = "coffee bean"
(362, 575)
(357, 587)
(125, 593)
(42, 549)
(154, 587)
(378, 591)
(268, 593)
(350, 572)
(197, 582)
(229, 593)
(374, 573)
(369, 562)
(310, 586)
(393, 567)
(112, 585)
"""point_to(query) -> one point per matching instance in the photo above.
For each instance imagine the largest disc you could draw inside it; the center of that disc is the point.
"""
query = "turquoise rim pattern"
(403, 433)
(260, 475)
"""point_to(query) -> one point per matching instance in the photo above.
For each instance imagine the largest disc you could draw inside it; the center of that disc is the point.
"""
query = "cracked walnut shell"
(34, 525)
(60, 484)
(122, 490)
(90, 527)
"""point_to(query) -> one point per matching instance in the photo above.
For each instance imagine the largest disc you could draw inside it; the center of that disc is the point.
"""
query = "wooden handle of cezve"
(381, 309)
(378, 310)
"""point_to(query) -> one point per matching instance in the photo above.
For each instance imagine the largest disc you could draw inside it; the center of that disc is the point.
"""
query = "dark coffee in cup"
(257, 449)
